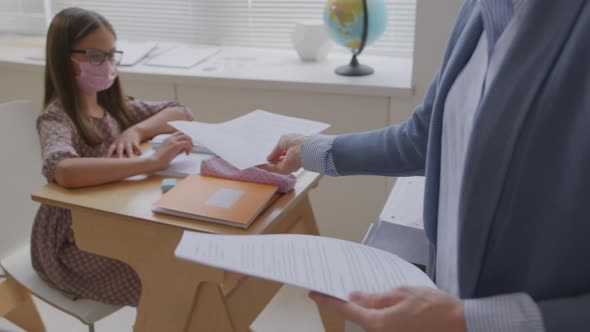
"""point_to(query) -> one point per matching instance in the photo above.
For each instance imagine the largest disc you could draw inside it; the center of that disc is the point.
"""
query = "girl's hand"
(127, 144)
(170, 149)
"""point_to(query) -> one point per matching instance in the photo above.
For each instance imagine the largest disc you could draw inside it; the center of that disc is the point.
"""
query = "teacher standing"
(503, 138)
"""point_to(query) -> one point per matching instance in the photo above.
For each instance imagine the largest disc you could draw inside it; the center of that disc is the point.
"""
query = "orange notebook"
(216, 200)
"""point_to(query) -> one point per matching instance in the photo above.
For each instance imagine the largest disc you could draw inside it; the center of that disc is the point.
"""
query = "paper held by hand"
(246, 141)
(329, 266)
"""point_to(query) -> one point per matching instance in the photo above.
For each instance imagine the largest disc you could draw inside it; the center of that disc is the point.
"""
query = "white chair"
(19, 176)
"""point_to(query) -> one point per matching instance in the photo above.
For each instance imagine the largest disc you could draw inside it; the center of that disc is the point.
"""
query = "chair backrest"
(20, 173)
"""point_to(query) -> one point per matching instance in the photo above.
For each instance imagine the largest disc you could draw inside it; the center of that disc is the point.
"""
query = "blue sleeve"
(398, 150)
(316, 154)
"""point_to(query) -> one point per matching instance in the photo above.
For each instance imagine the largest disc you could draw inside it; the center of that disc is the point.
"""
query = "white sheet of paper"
(183, 56)
(405, 204)
(183, 165)
(246, 141)
(330, 266)
(158, 140)
(133, 52)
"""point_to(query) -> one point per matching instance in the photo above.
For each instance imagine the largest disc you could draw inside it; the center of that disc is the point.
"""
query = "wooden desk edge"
(308, 180)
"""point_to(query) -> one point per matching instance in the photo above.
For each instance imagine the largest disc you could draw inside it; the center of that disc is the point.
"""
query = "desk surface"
(134, 198)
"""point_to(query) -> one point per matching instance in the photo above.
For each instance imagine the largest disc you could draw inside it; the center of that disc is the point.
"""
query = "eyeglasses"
(98, 57)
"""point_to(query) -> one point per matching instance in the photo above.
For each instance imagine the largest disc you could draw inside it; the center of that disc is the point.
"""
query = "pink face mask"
(94, 78)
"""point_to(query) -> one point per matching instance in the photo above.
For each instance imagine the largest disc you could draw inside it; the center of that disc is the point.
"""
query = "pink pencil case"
(219, 168)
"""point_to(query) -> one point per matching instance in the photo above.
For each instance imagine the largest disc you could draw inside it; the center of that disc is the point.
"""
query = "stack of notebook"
(216, 200)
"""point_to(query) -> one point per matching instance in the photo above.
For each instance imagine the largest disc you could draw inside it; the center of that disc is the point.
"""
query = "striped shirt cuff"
(504, 313)
(316, 154)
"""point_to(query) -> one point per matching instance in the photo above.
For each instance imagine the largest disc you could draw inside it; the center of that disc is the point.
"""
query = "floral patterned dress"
(55, 256)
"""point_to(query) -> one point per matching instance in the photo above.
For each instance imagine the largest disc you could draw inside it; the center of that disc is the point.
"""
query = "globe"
(345, 22)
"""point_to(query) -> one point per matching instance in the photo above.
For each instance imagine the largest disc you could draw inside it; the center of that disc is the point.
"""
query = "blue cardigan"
(524, 222)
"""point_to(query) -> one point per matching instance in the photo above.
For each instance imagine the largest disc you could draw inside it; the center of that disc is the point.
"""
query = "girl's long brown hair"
(68, 27)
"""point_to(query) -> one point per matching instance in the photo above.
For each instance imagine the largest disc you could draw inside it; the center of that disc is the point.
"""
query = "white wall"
(434, 20)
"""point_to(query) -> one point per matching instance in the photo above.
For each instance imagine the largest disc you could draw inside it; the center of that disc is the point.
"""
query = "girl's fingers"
(120, 150)
(188, 145)
(111, 150)
(137, 149)
(186, 140)
(129, 150)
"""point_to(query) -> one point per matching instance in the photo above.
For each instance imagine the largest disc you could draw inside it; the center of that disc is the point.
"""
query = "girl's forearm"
(158, 124)
(83, 172)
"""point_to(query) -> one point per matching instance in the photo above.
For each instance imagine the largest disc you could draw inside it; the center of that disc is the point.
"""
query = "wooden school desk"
(115, 220)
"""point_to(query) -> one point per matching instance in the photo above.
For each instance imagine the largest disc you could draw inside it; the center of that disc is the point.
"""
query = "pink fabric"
(219, 168)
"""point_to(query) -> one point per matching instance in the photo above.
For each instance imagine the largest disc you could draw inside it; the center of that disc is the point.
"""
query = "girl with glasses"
(90, 134)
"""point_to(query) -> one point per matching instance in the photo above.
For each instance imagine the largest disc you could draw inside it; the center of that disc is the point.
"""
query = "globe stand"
(354, 68)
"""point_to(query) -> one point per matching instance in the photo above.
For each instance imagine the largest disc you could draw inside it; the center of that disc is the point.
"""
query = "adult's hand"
(286, 156)
(408, 309)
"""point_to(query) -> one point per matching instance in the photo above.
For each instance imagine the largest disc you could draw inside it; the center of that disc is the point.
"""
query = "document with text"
(325, 265)
(246, 141)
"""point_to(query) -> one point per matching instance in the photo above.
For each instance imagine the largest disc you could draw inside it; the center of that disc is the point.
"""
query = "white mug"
(311, 40)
